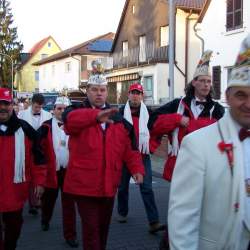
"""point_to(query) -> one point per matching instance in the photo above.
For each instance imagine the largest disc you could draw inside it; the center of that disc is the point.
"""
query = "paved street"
(130, 236)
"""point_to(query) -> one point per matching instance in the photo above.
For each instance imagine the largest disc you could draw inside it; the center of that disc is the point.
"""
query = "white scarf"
(61, 151)
(19, 175)
(174, 148)
(143, 126)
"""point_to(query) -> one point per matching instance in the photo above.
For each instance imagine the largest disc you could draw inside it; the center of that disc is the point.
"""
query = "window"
(125, 49)
(67, 67)
(217, 82)
(142, 45)
(36, 76)
(148, 88)
(43, 56)
(234, 14)
(49, 44)
(133, 9)
(53, 70)
(164, 36)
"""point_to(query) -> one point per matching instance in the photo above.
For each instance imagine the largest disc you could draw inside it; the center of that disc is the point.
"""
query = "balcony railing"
(140, 55)
(136, 56)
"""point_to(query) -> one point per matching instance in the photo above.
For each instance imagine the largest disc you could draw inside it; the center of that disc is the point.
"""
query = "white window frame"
(68, 67)
(142, 48)
(125, 48)
(164, 36)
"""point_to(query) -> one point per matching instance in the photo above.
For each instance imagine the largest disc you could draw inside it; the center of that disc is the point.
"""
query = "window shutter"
(234, 18)
(238, 13)
(217, 82)
(230, 14)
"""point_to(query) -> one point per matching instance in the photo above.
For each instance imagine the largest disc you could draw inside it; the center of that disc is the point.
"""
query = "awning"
(122, 78)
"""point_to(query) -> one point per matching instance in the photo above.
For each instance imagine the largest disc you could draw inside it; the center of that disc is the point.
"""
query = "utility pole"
(171, 49)
(12, 71)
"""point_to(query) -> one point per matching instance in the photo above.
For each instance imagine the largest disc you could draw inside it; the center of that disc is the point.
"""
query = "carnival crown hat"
(240, 74)
(62, 100)
(97, 75)
(202, 68)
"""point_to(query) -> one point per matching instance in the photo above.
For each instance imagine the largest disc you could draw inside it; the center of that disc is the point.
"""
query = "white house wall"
(160, 74)
(194, 50)
(60, 79)
(224, 44)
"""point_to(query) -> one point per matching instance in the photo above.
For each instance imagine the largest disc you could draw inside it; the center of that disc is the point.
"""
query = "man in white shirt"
(54, 143)
(209, 204)
(35, 116)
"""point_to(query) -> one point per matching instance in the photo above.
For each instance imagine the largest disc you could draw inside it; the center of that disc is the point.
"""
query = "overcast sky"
(69, 22)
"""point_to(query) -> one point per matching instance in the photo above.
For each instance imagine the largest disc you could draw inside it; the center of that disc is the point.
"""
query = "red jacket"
(165, 120)
(46, 141)
(96, 156)
(13, 196)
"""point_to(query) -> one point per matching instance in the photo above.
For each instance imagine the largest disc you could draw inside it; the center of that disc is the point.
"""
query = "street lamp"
(12, 70)
(171, 47)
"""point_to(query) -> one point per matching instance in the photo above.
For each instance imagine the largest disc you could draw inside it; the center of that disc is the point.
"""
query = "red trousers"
(95, 213)
(10, 229)
(68, 207)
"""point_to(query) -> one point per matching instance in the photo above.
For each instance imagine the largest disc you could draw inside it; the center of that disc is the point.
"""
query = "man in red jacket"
(184, 115)
(100, 141)
(18, 152)
(54, 143)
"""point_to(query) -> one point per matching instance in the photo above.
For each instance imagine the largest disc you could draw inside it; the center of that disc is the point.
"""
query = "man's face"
(202, 86)
(36, 107)
(97, 95)
(26, 104)
(58, 110)
(6, 109)
(135, 97)
(238, 98)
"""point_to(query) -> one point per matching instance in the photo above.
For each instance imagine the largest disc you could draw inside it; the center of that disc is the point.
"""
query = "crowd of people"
(90, 151)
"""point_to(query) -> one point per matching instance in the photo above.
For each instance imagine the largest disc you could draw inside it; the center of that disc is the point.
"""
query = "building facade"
(70, 68)
(223, 25)
(28, 75)
(140, 49)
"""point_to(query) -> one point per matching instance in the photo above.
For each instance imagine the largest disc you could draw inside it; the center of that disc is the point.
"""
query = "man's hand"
(184, 121)
(138, 178)
(39, 190)
(104, 115)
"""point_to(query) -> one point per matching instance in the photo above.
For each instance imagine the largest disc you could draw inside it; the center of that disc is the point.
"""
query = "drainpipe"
(186, 46)
(199, 37)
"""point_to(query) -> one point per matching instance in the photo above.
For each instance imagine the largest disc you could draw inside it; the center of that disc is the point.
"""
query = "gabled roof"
(34, 50)
(204, 10)
(182, 4)
(190, 4)
(97, 45)
(39, 45)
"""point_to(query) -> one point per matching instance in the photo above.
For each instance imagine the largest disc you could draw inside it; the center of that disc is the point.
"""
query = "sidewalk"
(132, 235)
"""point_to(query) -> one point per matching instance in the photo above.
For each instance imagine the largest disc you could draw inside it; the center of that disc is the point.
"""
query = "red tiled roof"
(204, 10)
(38, 45)
(195, 4)
(80, 49)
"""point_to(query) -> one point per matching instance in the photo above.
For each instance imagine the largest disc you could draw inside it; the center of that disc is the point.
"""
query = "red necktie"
(243, 134)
